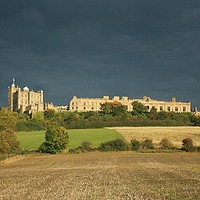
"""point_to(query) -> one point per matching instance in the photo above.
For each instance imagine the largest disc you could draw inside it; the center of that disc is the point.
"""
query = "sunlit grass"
(32, 140)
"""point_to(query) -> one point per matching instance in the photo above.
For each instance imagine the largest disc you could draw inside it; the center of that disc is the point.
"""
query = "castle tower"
(11, 91)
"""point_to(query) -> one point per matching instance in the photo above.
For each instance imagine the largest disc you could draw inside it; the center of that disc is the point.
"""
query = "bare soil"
(113, 176)
(174, 134)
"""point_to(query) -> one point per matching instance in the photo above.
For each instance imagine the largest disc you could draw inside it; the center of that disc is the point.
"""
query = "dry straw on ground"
(174, 134)
(113, 176)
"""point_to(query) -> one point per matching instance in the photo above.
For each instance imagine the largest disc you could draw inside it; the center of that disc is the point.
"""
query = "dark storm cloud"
(95, 48)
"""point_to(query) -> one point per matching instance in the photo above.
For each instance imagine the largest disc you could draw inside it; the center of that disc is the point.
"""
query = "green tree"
(162, 115)
(113, 108)
(153, 113)
(8, 142)
(106, 108)
(57, 139)
(49, 114)
(138, 108)
(8, 139)
(8, 120)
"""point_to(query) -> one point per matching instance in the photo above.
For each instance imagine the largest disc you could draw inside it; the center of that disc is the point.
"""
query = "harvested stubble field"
(101, 176)
(174, 134)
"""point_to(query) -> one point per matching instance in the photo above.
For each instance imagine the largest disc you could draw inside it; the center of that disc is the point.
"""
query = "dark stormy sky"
(91, 48)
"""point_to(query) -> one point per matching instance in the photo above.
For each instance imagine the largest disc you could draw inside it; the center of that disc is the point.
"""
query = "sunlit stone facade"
(24, 100)
(94, 104)
(50, 106)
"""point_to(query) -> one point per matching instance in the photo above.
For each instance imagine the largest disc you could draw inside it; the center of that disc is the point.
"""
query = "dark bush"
(166, 144)
(75, 150)
(114, 145)
(22, 151)
(147, 144)
(135, 145)
(187, 145)
(85, 146)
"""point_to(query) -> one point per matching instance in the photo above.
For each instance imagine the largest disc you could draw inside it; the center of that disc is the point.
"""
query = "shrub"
(147, 144)
(22, 151)
(187, 145)
(85, 146)
(56, 138)
(166, 144)
(113, 145)
(135, 144)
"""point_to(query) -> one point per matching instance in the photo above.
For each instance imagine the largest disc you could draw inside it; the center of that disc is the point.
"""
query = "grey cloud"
(91, 48)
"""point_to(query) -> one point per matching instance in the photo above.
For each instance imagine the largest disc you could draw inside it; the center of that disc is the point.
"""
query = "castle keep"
(24, 100)
(94, 104)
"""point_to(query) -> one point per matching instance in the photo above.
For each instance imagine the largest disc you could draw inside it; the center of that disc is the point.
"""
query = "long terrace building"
(94, 104)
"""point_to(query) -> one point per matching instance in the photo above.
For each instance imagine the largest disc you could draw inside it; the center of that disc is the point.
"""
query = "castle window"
(31, 95)
(21, 101)
(25, 101)
(38, 97)
(168, 109)
(72, 108)
(72, 103)
(21, 95)
(176, 108)
(84, 108)
(161, 108)
(92, 108)
(76, 107)
(148, 107)
(25, 95)
(184, 109)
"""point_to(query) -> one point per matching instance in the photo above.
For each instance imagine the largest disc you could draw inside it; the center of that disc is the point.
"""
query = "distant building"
(50, 106)
(24, 101)
(94, 104)
(196, 112)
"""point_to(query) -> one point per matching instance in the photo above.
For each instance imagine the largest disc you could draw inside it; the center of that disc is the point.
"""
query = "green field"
(32, 140)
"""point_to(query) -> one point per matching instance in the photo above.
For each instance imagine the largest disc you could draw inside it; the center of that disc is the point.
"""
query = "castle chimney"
(173, 99)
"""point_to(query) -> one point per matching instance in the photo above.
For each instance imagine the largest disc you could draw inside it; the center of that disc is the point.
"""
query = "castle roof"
(26, 88)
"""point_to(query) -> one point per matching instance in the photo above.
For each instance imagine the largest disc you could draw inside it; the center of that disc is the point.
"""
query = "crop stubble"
(174, 134)
(102, 176)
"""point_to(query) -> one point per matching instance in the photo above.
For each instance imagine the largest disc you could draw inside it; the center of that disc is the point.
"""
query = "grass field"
(175, 134)
(100, 176)
(32, 140)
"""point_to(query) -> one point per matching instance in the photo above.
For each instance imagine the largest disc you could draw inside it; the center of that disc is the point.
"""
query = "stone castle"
(26, 101)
